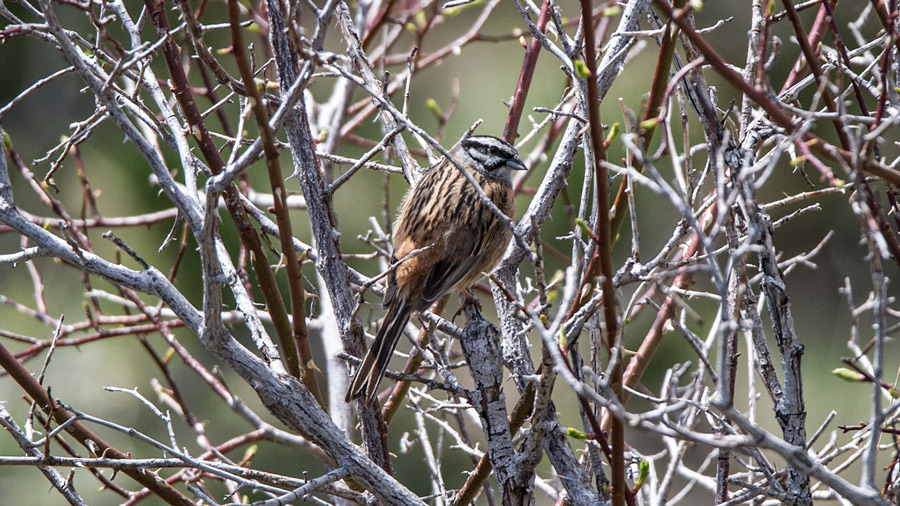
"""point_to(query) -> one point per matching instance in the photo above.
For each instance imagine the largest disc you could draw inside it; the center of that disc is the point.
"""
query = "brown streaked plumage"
(462, 238)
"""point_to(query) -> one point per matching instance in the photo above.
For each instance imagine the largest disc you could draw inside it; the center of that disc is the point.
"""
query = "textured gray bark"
(329, 262)
(480, 343)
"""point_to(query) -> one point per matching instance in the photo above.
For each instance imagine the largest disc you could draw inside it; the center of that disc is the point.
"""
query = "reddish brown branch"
(197, 127)
(604, 252)
(299, 345)
(658, 88)
(92, 442)
(510, 130)
(761, 97)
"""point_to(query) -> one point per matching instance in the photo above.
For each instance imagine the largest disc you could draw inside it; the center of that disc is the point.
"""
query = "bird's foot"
(470, 305)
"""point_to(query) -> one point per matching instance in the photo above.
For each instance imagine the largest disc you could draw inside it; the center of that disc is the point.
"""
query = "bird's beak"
(516, 164)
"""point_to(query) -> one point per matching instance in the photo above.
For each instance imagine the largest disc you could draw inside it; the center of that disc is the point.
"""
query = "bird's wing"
(462, 255)
(444, 276)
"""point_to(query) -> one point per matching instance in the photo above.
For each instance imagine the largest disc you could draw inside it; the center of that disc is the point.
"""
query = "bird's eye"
(495, 150)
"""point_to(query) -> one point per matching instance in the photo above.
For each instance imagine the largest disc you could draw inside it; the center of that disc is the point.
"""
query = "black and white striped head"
(490, 156)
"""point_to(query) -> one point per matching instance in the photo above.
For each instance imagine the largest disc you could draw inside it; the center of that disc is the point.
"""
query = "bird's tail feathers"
(371, 371)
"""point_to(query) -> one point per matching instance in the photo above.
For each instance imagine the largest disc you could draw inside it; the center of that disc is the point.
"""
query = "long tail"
(370, 373)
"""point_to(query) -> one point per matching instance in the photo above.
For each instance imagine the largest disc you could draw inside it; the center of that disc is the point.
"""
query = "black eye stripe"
(492, 153)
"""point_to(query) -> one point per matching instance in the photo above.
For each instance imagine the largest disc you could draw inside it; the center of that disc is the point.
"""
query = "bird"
(445, 237)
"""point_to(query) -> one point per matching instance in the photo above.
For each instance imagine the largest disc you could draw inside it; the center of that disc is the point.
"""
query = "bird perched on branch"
(446, 237)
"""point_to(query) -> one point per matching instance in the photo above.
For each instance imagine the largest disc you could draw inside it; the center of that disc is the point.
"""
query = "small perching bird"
(451, 238)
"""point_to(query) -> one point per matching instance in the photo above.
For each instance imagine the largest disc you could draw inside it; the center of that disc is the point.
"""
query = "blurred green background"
(486, 73)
